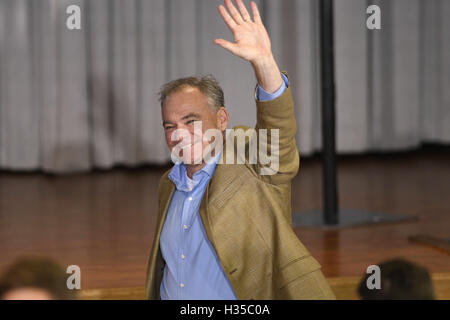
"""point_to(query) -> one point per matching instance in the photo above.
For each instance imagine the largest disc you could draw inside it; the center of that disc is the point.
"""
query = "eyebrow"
(191, 115)
(188, 116)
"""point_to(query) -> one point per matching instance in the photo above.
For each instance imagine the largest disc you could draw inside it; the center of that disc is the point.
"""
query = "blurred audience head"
(400, 280)
(35, 278)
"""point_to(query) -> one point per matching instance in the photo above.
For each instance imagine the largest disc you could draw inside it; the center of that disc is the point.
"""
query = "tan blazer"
(247, 217)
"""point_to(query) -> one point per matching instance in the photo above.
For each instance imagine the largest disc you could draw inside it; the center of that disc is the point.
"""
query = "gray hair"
(208, 85)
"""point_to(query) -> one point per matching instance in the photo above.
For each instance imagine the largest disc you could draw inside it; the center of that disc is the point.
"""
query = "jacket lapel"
(167, 190)
(156, 263)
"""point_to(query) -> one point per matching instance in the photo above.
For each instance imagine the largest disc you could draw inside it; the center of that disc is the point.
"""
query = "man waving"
(224, 225)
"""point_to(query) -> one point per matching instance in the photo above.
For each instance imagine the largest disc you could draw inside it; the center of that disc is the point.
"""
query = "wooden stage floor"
(104, 221)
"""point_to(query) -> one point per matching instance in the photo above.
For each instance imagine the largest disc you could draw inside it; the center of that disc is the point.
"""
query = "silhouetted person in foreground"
(400, 280)
(32, 278)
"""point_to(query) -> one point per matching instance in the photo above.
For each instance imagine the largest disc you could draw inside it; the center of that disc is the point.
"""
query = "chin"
(192, 161)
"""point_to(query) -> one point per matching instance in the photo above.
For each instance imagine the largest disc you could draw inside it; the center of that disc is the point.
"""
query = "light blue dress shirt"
(263, 95)
(193, 270)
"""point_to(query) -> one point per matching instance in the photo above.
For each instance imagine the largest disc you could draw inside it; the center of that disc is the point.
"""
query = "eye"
(168, 127)
(190, 121)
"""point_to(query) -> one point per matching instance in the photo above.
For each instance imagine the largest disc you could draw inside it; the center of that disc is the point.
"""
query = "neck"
(193, 169)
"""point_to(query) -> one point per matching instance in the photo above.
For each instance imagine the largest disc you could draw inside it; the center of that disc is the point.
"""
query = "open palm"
(251, 39)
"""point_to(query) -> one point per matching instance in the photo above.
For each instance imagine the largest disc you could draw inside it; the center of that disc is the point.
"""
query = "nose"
(180, 134)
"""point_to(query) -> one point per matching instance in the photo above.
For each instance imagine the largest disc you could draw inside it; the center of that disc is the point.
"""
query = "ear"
(222, 118)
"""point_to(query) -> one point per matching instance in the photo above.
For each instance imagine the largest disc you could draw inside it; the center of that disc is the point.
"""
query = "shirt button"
(185, 227)
(190, 198)
(182, 285)
(183, 256)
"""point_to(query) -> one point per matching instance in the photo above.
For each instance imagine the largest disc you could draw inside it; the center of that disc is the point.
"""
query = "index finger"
(226, 17)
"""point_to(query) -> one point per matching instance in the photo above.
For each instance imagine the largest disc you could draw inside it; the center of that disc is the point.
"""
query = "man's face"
(183, 110)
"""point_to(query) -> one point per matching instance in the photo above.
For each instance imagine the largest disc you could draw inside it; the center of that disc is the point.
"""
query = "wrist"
(267, 73)
(263, 62)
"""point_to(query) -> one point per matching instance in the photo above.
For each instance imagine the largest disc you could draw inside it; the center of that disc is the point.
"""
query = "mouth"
(189, 145)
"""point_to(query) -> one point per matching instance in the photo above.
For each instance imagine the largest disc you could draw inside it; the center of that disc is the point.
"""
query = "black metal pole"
(328, 112)
(332, 217)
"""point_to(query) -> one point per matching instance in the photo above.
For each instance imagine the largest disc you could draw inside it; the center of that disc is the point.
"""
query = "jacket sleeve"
(278, 144)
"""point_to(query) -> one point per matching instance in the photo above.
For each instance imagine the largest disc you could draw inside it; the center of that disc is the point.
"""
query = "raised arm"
(275, 116)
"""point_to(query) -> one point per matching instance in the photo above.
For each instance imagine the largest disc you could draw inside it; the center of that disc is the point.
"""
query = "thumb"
(227, 45)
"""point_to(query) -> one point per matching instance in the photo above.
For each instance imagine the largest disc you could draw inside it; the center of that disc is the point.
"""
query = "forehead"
(185, 100)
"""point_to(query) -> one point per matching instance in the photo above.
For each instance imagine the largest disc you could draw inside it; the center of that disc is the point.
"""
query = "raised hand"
(251, 39)
(251, 42)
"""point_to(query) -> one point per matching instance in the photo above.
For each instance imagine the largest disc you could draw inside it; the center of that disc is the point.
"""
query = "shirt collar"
(179, 176)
